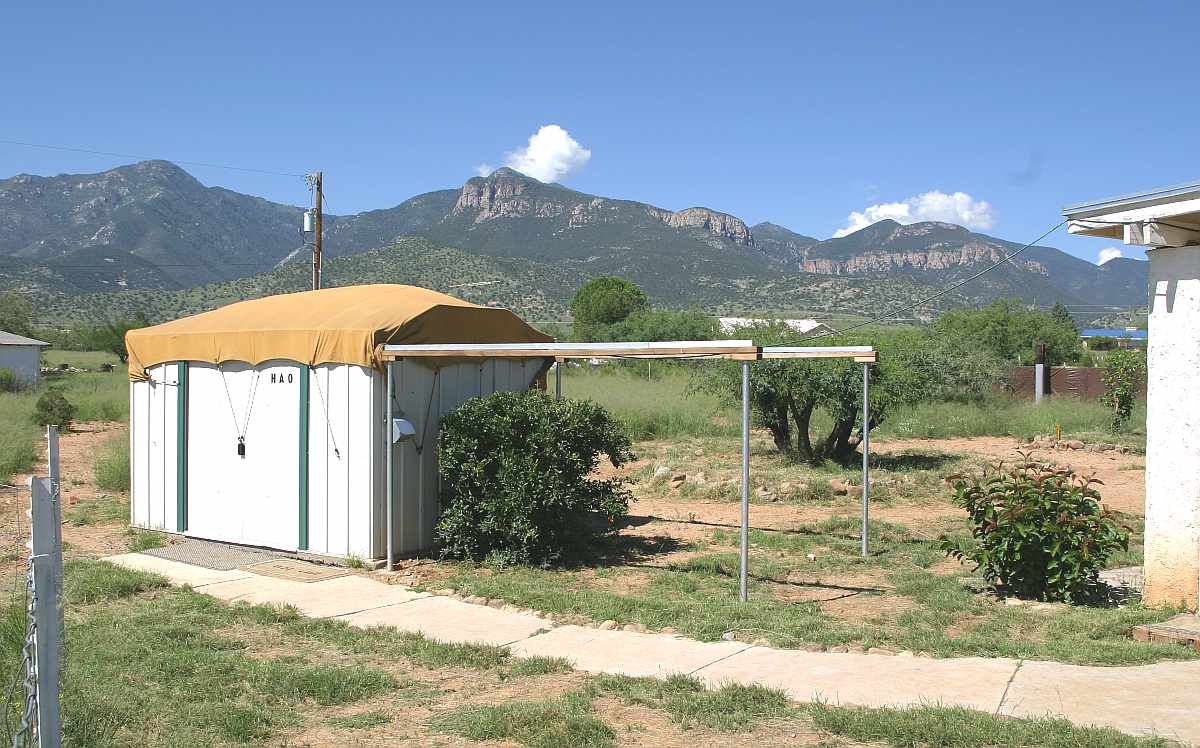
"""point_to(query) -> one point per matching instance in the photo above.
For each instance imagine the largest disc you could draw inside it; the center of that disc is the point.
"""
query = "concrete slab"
(868, 680)
(450, 620)
(330, 597)
(625, 652)
(1161, 699)
(177, 572)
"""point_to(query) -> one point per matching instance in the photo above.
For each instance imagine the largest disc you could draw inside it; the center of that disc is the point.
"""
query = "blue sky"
(795, 113)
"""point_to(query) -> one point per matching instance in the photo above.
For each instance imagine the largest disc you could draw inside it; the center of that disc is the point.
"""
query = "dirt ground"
(1123, 475)
(78, 449)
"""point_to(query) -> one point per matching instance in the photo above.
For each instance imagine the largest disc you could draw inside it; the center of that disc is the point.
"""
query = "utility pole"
(315, 180)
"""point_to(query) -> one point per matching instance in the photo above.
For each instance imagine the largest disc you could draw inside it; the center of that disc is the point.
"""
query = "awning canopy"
(347, 325)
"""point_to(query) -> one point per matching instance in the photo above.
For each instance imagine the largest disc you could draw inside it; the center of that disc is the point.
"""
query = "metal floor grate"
(210, 555)
(296, 570)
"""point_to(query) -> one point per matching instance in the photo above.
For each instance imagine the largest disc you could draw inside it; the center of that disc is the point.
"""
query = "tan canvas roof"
(347, 325)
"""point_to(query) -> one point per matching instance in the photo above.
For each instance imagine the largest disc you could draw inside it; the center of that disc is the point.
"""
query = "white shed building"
(23, 356)
(264, 422)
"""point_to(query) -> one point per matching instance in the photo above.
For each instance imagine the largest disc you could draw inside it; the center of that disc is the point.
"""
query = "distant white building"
(23, 356)
(802, 326)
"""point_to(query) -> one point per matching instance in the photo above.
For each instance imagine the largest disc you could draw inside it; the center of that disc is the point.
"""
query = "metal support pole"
(558, 379)
(46, 559)
(1039, 382)
(389, 447)
(744, 591)
(866, 452)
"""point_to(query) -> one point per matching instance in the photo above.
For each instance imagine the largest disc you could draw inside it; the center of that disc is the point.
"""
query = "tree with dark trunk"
(785, 395)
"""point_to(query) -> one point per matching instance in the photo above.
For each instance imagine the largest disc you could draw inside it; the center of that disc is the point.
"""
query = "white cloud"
(935, 205)
(550, 155)
(483, 169)
(1109, 253)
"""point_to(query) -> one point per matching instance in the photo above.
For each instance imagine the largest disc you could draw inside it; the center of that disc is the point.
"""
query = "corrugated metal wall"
(345, 461)
(258, 498)
(423, 397)
(153, 441)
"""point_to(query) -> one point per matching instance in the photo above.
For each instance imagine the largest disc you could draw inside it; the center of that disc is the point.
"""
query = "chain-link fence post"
(46, 611)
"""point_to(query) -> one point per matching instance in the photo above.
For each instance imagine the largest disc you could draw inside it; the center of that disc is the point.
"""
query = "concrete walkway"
(1161, 699)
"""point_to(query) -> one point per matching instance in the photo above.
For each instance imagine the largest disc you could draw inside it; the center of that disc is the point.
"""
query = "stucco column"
(1173, 428)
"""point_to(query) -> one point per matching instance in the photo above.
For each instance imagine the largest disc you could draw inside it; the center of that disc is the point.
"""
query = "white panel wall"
(153, 433)
(345, 434)
(255, 499)
(252, 499)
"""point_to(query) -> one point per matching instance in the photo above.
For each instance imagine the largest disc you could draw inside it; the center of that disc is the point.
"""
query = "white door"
(254, 497)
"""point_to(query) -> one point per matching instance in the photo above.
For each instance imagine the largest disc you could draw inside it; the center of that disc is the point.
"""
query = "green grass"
(144, 540)
(150, 665)
(1002, 416)
(663, 407)
(99, 511)
(555, 722)
(80, 359)
(111, 468)
(933, 613)
(951, 727)
(730, 708)
(526, 667)
(96, 396)
(19, 448)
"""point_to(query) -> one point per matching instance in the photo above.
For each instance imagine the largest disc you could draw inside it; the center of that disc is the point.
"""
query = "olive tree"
(786, 394)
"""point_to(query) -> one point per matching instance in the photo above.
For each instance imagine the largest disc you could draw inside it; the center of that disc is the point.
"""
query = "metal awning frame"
(737, 350)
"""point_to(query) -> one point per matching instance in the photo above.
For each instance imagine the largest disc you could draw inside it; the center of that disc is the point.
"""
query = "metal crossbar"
(738, 350)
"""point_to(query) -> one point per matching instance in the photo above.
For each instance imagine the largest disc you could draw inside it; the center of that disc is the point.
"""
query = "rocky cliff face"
(946, 258)
(721, 225)
(509, 194)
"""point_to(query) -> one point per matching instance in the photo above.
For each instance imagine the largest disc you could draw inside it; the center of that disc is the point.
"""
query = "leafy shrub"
(1123, 370)
(514, 470)
(1102, 343)
(53, 408)
(8, 380)
(1039, 530)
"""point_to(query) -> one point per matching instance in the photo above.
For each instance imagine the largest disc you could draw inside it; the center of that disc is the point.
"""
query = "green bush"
(1123, 370)
(1039, 530)
(53, 408)
(1102, 343)
(515, 485)
(9, 381)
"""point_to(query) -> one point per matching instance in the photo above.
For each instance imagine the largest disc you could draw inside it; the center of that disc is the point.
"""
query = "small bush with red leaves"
(1039, 530)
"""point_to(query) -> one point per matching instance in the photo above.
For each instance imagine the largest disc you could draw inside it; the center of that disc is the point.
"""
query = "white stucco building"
(1167, 223)
(23, 356)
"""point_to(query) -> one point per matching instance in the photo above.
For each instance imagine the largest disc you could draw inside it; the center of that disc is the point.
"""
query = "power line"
(937, 295)
(147, 158)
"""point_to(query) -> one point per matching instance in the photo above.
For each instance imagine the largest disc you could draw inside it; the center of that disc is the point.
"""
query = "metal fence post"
(745, 554)
(46, 601)
(558, 379)
(55, 470)
(389, 445)
(866, 464)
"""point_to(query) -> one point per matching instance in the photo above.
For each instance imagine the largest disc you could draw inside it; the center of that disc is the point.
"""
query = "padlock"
(241, 448)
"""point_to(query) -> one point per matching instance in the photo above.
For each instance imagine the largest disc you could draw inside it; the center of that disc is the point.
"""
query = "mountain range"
(150, 232)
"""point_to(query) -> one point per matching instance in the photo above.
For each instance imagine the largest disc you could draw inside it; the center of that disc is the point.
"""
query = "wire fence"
(38, 676)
